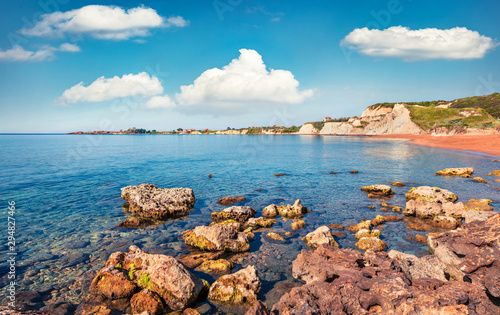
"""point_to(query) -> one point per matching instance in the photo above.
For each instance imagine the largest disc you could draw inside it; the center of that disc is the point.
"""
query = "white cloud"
(160, 102)
(18, 53)
(423, 44)
(104, 89)
(103, 22)
(240, 86)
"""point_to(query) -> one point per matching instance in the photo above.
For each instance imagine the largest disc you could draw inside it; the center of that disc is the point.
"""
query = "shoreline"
(489, 144)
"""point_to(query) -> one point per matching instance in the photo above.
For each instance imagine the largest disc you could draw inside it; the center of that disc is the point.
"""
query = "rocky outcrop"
(149, 201)
(308, 129)
(378, 191)
(429, 202)
(239, 287)
(240, 214)
(320, 236)
(456, 171)
(217, 238)
(473, 250)
(343, 281)
(375, 121)
(163, 280)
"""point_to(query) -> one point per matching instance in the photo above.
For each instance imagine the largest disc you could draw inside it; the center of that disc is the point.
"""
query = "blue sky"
(65, 66)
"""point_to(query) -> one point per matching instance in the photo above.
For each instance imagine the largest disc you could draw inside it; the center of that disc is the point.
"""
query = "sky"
(68, 65)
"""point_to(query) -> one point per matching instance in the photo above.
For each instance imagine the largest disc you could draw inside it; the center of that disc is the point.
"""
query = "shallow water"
(67, 194)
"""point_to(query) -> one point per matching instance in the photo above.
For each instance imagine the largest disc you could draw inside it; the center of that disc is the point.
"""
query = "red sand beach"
(478, 143)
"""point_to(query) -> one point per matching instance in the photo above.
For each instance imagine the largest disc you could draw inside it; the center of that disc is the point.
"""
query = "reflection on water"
(68, 204)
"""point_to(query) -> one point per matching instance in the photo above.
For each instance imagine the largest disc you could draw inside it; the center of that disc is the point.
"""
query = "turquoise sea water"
(67, 194)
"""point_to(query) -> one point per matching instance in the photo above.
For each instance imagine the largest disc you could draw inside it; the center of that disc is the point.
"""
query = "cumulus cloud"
(19, 54)
(160, 102)
(104, 89)
(243, 83)
(423, 44)
(102, 22)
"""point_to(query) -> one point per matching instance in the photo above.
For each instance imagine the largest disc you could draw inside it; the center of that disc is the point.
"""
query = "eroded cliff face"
(308, 129)
(375, 121)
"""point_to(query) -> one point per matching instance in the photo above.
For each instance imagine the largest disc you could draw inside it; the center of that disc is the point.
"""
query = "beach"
(489, 144)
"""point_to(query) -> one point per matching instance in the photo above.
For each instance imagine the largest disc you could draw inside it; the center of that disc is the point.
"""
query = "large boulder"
(378, 190)
(238, 213)
(473, 250)
(320, 236)
(217, 238)
(428, 202)
(344, 281)
(456, 171)
(167, 281)
(149, 201)
(236, 288)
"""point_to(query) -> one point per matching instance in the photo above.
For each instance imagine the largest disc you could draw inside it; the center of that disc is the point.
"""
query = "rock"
(134, 222)
(161, 274)
(333, 173)
(378, 190)
(256, 223)
(384, 209)
(474, 215)
(456, 171)
(495, 173)
(428, 202)
(236, 288)
(210, 176)
(297, 210)
(190, 311)
(377, 220)
(397, 184)
(149, 201)
(354, 172)
(371, 207)
(474, 250)
(219, 266)
(480, 180)
(344, 281)
(364, 224)
(258, 308)
(336, 226)
(193, 260)
(466, 176)
(279, 174)
(479, 204)
(238, 213)
(146, 301)
(367, 233)
(217, 238)
(270, 211)
(275, 236)
(298, 224)
(231, 223)
(260, 189)
(371, 243)
(227, 201)
(287, 234)
(418, 238)
(428, 266)
(321, 235)
(445, 222)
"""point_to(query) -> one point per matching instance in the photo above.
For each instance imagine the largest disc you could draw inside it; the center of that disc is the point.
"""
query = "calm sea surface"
(67, 194)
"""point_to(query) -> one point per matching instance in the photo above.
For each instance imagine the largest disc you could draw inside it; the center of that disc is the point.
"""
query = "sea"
(66, 195)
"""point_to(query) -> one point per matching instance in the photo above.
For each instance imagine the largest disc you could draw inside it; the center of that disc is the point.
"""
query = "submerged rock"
(344, 281)
(298, 224)
(149, 201)
(238, 213)
(275, 236)
(256, 223)
(321, 235)
(378, 190)
(474, 250)
(132, 223)
(397, 184)
(217, 238)
(236, 288)
(456, 171)
(480, 180)
(227, 201)
(215, 266)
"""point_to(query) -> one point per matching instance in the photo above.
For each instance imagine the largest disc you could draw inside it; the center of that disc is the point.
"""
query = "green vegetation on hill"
(428, 117)
(491, 103)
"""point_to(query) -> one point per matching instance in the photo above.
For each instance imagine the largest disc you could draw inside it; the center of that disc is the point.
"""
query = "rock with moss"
(397, 184)
(298, 224)
(257, 223)
(480, 180)
(445, 222)
(217, 238)
(147, 301)
(297, 210)
(219, 266)
(270, 211)
(364, 224)
(371, 243)
(367, 233)
(193, 260)
(240, 214)
(113, 283)
(275, 236)
(320, 236)
(479, 205)
(232, 223)
(236, 288)
(149, 201)
(428, 202)
(378, 190)
(456, 171)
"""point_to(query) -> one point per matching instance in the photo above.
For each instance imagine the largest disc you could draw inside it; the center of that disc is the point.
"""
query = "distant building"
(327, 118)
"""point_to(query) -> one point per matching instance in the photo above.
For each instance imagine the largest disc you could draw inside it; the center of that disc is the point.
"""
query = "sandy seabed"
(489, 144)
